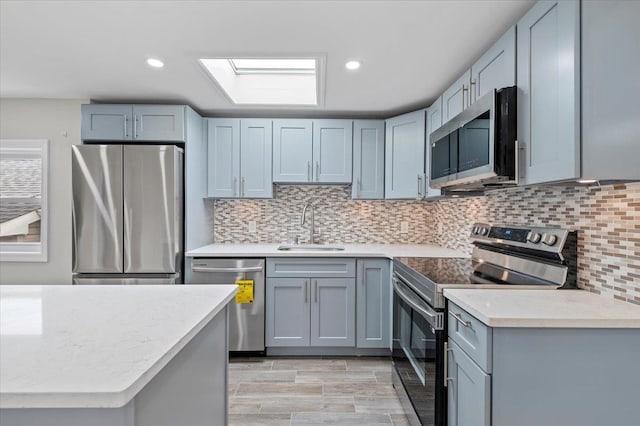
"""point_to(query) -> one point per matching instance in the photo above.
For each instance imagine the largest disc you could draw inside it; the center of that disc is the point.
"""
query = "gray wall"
(48, 119)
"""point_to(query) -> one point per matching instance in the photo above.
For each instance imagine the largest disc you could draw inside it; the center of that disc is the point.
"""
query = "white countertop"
(350, 250)
(95, 346)
(545, 309)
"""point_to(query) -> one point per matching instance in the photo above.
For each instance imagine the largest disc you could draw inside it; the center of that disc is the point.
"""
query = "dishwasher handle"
(208, 269)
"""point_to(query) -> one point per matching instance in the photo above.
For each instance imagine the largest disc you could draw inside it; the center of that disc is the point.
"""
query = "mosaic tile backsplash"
(607, 219)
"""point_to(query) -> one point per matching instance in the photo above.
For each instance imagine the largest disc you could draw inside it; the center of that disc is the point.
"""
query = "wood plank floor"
(313, 391)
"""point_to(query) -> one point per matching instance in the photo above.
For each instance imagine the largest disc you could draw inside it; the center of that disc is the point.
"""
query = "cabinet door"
(332, 151)
(496, 68)
(256, 159)
(292, 151)
(469, 390)
(107, 122)
(224, 157)
(549, 98)
(161, 123)
(404, 156)
(456, 98)
(373, 286)
(368, 160)
(287, 312)
(434, 121)
(333, 313)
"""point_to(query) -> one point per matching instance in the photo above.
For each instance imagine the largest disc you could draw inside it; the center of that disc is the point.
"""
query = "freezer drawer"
(246, 321)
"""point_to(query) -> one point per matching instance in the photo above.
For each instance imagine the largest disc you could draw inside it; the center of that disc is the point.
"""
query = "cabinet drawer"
(471, 335)
(311, 267)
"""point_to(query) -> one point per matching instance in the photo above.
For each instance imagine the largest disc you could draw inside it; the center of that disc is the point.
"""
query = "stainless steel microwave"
(478, 148)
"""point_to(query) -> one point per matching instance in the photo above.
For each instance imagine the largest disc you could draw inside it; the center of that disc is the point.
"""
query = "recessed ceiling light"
(586, 181)
(352, 65)
(155, 63)
(267, 81)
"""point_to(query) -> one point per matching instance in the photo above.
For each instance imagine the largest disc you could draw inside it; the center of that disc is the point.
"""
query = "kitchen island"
(113, 355)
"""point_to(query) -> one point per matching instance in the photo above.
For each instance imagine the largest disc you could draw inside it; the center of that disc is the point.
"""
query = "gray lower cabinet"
(287, 312)
(144, 123)
(310, 302)
(505, 376)
(469, 390)
(373, 307)
(368, 160)
(548, 74)
(333, 312)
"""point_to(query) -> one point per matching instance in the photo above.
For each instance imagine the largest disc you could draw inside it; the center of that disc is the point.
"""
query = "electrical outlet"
(253, 227)
(404, 227)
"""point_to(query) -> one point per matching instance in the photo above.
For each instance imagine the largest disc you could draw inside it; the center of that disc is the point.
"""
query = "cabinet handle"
(126, 131)
(306, 291)
(135, 127)
(419, 187)
(309, 171)
(358, 187)
(316, 289)
(472, 83)
(446, 364)
(460, 320)
(235, 185)
(242, 187)
(317, 171)
(464, 89)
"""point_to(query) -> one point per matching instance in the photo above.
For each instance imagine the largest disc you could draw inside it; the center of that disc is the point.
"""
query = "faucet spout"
(304, 213)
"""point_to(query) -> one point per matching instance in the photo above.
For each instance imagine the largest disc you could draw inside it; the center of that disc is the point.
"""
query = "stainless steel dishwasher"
(246, 321)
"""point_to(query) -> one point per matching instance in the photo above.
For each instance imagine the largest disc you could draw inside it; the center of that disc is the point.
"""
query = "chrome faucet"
(312, 229)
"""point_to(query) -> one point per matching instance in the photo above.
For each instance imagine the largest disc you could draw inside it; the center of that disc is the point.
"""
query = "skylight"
(262, 81)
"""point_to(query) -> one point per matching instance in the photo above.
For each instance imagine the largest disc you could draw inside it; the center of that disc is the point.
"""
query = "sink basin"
(308, 247)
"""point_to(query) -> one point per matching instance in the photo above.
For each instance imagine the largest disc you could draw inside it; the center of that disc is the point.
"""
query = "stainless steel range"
(512, 255)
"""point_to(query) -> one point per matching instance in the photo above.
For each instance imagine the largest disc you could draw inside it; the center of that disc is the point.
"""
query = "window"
(23, 200)
(268, 81)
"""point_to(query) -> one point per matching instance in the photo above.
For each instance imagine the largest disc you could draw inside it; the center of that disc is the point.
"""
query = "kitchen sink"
(310, 247)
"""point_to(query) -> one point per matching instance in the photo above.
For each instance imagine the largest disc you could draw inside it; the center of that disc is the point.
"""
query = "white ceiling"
(410, 50)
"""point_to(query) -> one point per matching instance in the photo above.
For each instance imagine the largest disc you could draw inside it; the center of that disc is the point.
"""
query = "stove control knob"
(534, 237)
(549, 239)
(484, 231)
(474, 230)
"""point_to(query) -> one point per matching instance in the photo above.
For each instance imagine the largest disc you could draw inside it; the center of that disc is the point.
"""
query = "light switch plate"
(404, 227)
(253, 228)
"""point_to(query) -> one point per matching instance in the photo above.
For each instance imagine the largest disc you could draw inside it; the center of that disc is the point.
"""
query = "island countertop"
(545, 309)
(350, 250)
(95, 346)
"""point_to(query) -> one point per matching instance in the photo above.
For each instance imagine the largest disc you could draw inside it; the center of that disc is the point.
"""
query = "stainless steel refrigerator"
(127, 214)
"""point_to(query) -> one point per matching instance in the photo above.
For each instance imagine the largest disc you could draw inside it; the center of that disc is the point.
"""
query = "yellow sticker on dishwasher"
(245, 291)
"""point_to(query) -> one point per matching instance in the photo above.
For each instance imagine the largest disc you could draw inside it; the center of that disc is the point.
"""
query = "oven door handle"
(209, 269)
(424, 309)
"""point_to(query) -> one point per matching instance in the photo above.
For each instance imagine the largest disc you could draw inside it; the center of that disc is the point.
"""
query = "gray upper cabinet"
(224, 157)
(333, 319)
(368, 160)
(239, 153)
(610, 107)
(312, 151)
(496, 68)
(456, 98)
(292, 151)
(256, 146)
(469, 390)
(287, 312)
(103, 122)
(158, 123)
(332, 150)
(548, 63)
(434, 121)
(373, 310)
(144, 123)
(404, 156)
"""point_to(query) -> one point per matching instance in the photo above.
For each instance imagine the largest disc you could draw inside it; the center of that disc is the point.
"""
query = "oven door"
(418, 355)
